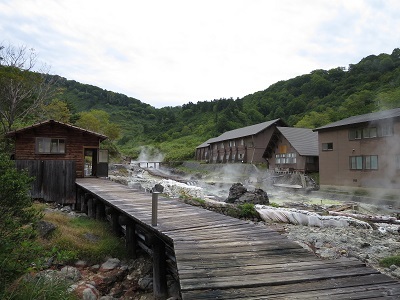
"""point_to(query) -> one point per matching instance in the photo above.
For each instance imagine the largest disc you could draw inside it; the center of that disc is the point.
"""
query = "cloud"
(167, 53)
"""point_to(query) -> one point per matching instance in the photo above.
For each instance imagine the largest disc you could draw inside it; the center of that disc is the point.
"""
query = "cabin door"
(90, 162)
(102, 163)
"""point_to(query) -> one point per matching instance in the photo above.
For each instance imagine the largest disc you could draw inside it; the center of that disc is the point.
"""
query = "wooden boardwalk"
(219, 257)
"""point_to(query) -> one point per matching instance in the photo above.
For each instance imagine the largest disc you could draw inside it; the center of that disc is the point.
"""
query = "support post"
(116, 227)
(130, 239)
(159, 270)
(154, 208)
(84, 207)
(91, 208)
(100, 210)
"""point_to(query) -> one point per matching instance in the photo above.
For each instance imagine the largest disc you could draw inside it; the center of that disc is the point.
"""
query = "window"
(242, 142)
(370, 132)
(327, 146)
(232, 143)
(222, 145)
(386, 129)
(355, 134)
(50, 146)
(356, 163)
(282, 149)
(371, 162)
(398, 162)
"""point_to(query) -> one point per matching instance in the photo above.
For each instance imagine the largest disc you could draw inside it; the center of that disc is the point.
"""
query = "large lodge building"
(273, 143)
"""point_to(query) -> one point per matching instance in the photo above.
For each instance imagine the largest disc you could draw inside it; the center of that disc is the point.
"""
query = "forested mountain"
(309, 100)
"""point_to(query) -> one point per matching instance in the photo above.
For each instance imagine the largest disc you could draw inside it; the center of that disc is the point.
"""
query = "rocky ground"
(112, 279)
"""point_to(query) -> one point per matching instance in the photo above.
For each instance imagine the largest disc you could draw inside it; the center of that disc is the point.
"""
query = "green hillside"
(309, 100)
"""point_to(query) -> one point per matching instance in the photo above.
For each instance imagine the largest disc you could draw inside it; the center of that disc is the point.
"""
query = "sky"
(168, 53)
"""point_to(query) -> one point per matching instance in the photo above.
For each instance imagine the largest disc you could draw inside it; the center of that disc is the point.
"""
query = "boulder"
(238, 194)
(45, 228)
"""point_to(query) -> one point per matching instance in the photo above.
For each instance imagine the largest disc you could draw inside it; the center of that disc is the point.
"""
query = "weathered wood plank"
(219, 257)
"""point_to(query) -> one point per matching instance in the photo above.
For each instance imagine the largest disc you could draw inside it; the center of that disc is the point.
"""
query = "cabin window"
(50, 145)
(371, 162)
(242, 142)
(222, 145)
(327, 146)
(232, 143)
(356, 163)
(241, 155)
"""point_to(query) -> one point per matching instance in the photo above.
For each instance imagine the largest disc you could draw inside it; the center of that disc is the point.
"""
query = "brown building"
(57, 141)
(293, 149)
(245, 145)
(362, 152)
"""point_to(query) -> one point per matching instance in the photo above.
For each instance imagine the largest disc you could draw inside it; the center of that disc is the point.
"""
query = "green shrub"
(247, 210)
(391, 260)
(18, 247)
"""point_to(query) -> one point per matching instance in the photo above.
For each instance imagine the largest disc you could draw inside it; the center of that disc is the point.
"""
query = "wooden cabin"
(56, 153)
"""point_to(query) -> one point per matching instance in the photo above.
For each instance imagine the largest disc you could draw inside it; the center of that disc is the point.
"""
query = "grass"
(81, 237)
(390, 260)
(39, 289)
(75, 238)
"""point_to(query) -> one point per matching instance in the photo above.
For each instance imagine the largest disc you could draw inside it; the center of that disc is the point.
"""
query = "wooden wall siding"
(54, 180)
(75, 142)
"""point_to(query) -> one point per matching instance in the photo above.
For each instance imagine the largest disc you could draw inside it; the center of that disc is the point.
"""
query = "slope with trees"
(310, 100)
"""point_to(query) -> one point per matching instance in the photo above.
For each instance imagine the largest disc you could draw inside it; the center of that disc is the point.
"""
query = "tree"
(99, 121)
(16, 222)
(23, 91)
(57, 110)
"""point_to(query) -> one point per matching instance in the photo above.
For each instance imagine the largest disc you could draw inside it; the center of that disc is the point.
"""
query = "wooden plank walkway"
(219, 257)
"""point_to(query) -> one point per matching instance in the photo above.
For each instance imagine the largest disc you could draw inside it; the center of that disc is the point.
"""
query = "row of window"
(231, 143)
(371, 132)
(365, 162)
(364, 133)
(285, 158)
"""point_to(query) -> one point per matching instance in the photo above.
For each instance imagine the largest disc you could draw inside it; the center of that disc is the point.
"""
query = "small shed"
(55, 153)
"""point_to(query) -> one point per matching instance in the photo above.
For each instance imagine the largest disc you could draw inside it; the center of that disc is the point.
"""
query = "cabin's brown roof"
(246, 131)
(380, 115)
(304, 140)
(21, 130)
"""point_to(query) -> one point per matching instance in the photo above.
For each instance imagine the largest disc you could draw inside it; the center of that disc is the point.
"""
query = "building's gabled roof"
(380, 115)
(304, 140)
(21, 130)
(246, 131)
(205, 144)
